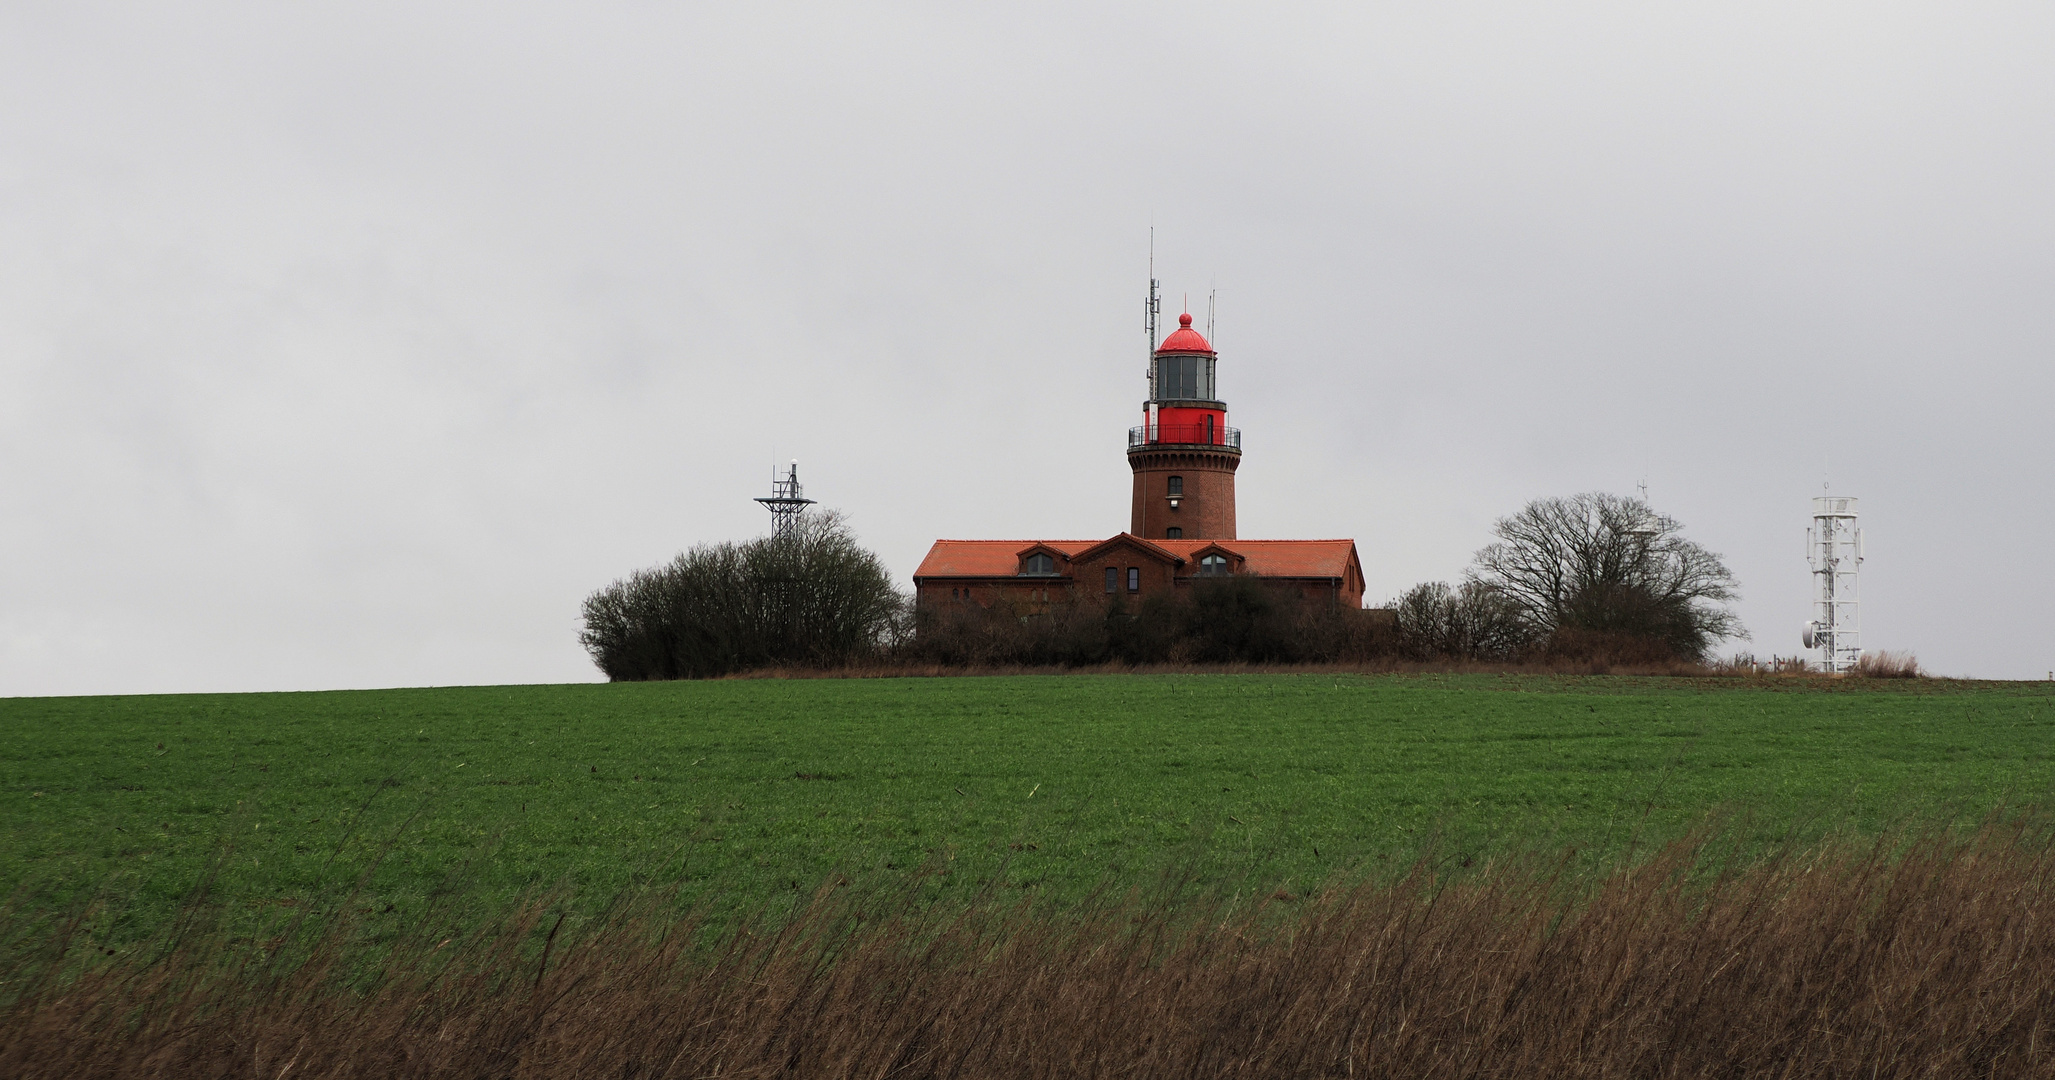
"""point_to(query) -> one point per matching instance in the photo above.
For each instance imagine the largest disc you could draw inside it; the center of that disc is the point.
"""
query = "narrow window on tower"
(1177, 485)
(1113, 579)
(1173, 533)
(1134, 579)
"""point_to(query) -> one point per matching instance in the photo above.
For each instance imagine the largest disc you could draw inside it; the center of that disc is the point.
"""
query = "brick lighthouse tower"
(1184, 455)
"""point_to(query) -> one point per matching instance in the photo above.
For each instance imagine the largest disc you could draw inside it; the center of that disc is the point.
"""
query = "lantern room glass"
(1185, 378)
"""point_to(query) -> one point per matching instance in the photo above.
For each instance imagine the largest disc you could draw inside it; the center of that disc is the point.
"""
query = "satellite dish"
(1812, 634)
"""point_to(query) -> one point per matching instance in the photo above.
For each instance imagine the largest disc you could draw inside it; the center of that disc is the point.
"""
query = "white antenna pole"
(1212, 304)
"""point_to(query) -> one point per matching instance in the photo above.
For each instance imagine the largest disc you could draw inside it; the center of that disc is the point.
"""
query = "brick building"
(1183, 457)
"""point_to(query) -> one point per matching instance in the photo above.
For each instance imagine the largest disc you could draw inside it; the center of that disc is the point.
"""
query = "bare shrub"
(1928, 961)
(1238, 619)
(1243, 619)
(1008, 634)
(809, 596)
(1474, 622)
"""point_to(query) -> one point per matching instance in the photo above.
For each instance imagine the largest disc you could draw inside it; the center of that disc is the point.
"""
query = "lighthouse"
(1182, 533)
(1184, 455)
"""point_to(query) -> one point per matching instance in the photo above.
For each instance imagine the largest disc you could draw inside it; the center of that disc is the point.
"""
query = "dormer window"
(1213, 566)
(1038, 565)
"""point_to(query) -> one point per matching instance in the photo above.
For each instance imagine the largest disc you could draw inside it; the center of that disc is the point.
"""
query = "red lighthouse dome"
(1184, 338)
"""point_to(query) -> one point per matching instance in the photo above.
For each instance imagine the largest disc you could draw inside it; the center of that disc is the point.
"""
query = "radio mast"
(785, 502)
(1833, 547)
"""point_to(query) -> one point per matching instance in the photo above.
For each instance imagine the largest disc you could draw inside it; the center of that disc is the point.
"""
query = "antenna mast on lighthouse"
(1152, 310)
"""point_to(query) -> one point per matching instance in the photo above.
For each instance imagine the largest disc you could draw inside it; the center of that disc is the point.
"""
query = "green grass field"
(747, 793)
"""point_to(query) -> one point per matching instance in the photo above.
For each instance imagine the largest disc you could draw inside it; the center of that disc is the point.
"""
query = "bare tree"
(1597, 570)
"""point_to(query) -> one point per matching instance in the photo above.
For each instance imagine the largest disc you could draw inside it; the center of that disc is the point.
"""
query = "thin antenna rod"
(1212, 304)
(1152, 308)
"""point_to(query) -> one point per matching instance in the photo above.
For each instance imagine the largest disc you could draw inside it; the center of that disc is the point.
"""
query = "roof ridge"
(1180, 540)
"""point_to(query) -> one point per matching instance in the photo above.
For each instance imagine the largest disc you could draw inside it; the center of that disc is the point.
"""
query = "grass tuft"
(1888, 665)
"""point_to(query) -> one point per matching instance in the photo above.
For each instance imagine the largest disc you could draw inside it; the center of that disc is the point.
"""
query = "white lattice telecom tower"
(1833, 545)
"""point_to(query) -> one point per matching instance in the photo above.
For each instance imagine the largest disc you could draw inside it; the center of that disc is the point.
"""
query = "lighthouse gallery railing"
(1185, 434)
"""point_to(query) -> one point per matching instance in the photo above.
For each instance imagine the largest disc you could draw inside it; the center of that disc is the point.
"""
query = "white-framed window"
(1213, 565)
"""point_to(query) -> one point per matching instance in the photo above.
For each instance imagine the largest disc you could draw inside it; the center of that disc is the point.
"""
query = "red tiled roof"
(1268, 558)
(986, 558)
(1279, 558)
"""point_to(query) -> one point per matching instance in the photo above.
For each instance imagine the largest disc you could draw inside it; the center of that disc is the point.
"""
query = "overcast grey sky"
(352, 345)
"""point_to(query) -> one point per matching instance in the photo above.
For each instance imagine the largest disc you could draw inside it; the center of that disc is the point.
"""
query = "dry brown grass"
(1934, 959)
(1888, 665)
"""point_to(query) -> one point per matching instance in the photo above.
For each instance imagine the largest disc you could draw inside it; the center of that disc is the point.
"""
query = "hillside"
(747, 793)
